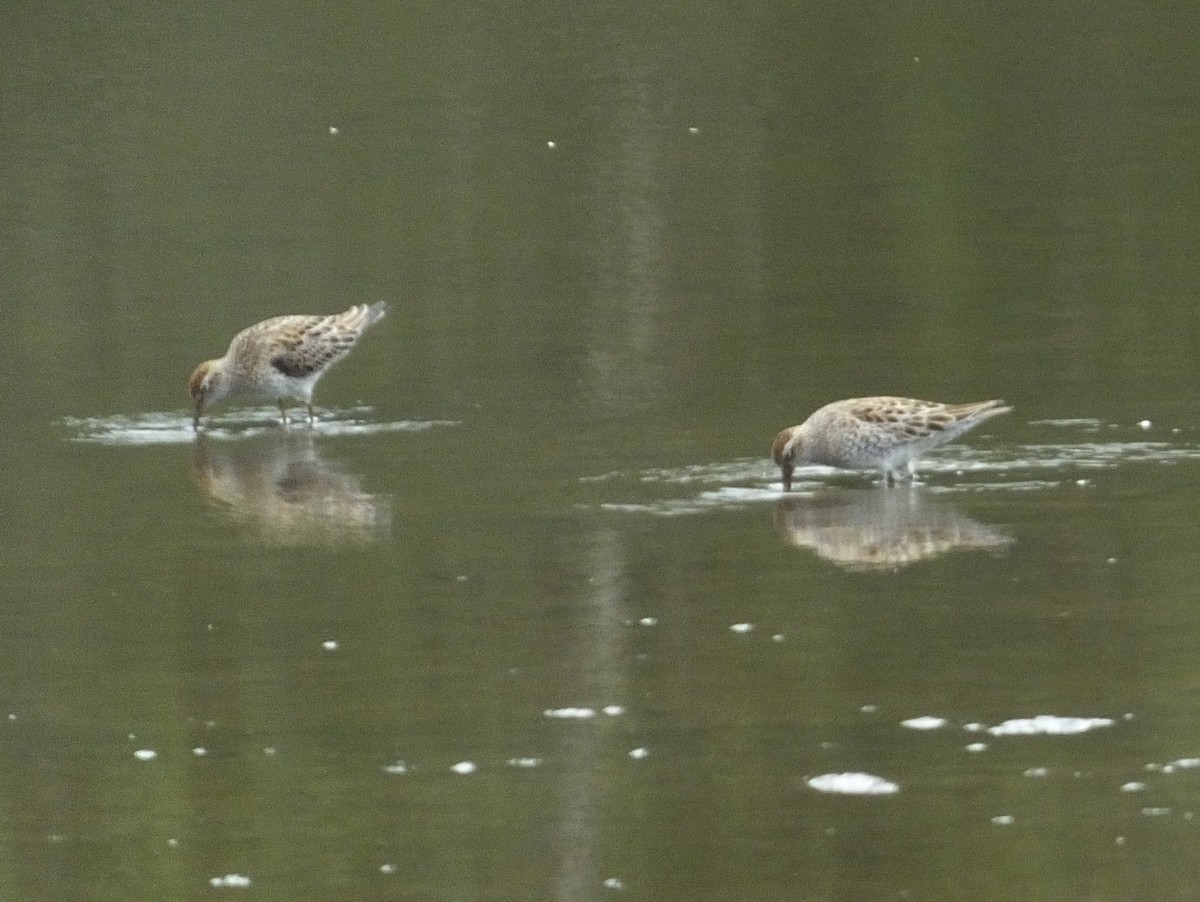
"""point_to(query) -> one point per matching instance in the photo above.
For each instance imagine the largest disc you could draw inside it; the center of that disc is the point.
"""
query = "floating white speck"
(1133, 786)
(742, 627)
(525, 762)
(1083, 482)
(858, 784)
(977, 747)
(239, 880)
(869, 709)
(199, 751)
(692, 130)
(396, 768)
(1156, 812)
(1111, 560)
(974, 727)
(648, 621)
(465, 767)
(145, 754)
(1049, 725)
(269, 750)
(613, 710)
(569, 713)
(12, 717)
(639, 753)
(172, 843)
(1171, 766)
(925, 722)
(778, 637)
(614, 883)
(1036, 772)
(1144, 424)
(551, 145)
(329, 645)
(1003, 820)
(387, 868)
(333, 130)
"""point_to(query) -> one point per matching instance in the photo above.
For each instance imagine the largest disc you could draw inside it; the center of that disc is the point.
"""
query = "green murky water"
(525, 615)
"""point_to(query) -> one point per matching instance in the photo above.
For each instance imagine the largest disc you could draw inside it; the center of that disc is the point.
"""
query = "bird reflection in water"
(279, 486)
(881, 529)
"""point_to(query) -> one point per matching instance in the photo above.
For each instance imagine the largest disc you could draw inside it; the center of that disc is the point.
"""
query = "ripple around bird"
(959, 468)
(172, 427)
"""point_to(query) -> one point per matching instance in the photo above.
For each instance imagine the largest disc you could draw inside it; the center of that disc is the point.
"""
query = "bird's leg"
(311, 418)
(890, 478)
(283, 412)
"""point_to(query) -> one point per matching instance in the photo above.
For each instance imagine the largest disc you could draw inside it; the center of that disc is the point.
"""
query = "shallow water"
(176, 428)
(525, 614)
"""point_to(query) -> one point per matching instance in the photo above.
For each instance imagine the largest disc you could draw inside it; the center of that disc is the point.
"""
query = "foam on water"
(1037, 725)
(174, 428)
(1049, 725)
(925, 722)
(1068, 422)
(724, 497)
(853, 784)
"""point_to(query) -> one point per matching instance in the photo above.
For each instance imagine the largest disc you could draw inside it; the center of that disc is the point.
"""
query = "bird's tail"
(980, 410)
(361, 316)
(376, 312)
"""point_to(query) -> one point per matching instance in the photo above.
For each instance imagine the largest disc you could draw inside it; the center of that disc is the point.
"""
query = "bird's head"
(783, 451)
(206, 386)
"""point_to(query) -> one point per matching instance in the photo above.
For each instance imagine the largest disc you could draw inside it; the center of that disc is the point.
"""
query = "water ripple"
(175, 428)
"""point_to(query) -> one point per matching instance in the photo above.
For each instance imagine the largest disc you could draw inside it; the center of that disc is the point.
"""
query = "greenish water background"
(623, 246)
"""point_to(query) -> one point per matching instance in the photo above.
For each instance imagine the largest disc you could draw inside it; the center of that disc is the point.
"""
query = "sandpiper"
(883, 433)
(281, 358)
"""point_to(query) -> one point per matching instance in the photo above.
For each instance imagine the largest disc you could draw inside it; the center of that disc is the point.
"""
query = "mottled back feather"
(300, 346)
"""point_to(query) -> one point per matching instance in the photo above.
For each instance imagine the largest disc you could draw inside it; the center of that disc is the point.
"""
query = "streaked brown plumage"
(281, 359)
(883, 433)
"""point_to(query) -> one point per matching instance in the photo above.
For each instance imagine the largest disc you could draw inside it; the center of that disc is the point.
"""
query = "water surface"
(525, 614)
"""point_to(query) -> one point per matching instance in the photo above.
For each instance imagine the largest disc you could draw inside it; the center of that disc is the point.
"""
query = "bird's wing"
(301, 346)
(904, 417)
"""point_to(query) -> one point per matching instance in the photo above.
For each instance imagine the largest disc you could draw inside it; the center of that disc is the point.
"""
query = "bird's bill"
(785, 472)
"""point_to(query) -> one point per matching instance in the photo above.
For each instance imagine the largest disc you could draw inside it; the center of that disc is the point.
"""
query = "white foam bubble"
(853, 784)
(569, 713)
(1049, 725)
(926, 722)
(239, 881)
